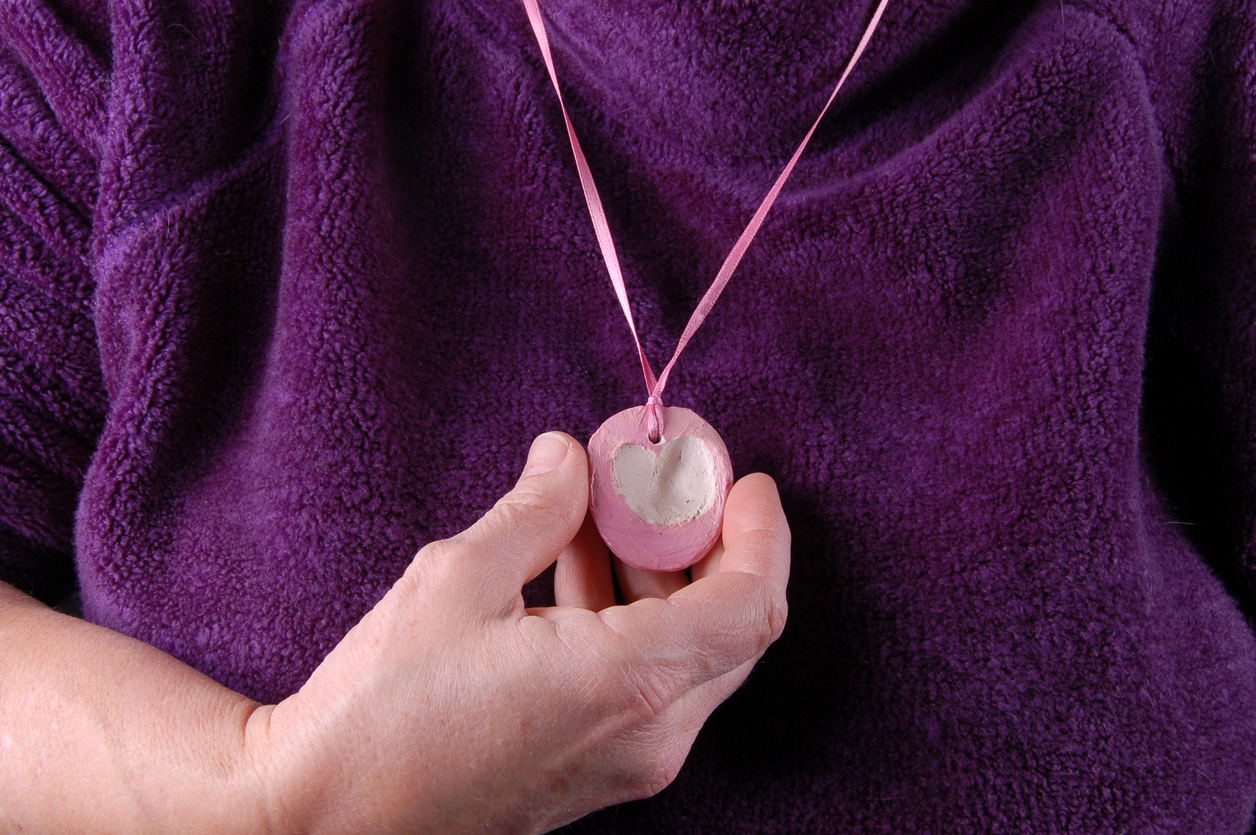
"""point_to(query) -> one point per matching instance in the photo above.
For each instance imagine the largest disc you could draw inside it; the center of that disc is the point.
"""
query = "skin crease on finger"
(525, 719)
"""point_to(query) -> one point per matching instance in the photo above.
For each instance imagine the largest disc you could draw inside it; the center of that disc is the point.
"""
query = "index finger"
(756, 535)
(721, 621)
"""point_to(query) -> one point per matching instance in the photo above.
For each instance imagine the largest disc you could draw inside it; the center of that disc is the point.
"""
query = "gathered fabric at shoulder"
(52, 398)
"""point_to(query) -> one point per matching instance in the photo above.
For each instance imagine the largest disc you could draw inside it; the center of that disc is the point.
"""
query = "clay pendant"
(658, 506)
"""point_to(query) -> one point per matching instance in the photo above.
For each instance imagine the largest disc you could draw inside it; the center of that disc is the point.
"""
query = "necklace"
(659, 476)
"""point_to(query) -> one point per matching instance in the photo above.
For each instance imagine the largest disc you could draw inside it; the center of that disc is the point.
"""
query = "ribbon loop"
(654, 404)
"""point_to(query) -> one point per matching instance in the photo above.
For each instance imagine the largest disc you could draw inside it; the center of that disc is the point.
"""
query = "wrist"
(299, 774)
(278, 805)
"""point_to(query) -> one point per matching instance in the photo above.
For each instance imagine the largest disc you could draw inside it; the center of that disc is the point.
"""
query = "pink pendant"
(658, 506)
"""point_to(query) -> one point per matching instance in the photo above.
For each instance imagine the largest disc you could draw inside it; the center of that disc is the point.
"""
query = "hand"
(451, 708)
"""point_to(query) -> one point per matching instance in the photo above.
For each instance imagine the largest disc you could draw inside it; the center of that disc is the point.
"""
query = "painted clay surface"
(659, 506)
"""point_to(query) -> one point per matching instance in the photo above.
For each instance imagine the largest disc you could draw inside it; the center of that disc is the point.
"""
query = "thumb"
(525, 531)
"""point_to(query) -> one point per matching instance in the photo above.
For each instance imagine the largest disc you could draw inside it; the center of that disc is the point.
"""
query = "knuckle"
(435, 553)
(777, 615)
(429, 567)
(651, 699)
(640, 692)
(641, 697)
(537, 513)
(525, 505)
(657, 773)
(435, 559)
(656, 779)
(770, 615)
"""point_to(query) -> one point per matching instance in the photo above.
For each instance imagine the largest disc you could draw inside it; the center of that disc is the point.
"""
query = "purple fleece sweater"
(286, 292)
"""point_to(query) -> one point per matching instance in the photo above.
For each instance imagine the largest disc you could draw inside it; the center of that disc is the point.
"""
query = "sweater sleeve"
(52, 398)
(1199, 412)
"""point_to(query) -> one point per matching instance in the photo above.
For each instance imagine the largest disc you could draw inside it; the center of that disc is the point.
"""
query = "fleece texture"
(286, 292)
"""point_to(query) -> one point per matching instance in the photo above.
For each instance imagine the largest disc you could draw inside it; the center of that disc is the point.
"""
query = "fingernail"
(548, 451)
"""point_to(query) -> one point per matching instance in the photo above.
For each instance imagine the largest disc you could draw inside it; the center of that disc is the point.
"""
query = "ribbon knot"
(654, 418)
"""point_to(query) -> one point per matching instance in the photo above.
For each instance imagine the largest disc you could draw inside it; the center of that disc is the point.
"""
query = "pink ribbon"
(655, 386)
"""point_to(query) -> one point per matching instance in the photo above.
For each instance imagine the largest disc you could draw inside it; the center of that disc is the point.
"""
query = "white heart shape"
(667, 484)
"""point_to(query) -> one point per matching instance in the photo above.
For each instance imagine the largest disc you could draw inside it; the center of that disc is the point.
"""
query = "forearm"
(102, 733)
